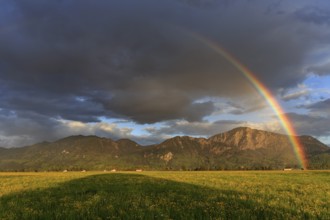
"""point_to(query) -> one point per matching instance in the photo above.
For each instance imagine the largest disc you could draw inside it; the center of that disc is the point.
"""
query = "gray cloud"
(194, 128)
(310, 124)
(295, 95)
(48, 104)
(153, 107)
(320, 108)
(20, 129)
(139, 61)
(320, 69)
(314, 14)
(206, 128)
(243, 107)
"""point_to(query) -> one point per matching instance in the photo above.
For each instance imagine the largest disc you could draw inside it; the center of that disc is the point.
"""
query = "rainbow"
(268, 96)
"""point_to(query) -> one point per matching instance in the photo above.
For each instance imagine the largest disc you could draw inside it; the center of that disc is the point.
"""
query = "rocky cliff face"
(240, 147)
(244, 138)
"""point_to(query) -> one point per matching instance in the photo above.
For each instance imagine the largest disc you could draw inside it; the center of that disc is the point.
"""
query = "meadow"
(166, 195)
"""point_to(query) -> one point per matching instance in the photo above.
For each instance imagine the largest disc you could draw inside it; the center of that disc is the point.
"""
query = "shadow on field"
(132, 196)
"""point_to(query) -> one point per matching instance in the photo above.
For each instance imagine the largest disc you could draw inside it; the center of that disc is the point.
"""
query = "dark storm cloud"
(149, 108)
(322, 107)
(320, 69)
(52, 105)
(314, 14)
(68, 49)
(315, 122)
(315, 125)
(22, 128)
(138, 60)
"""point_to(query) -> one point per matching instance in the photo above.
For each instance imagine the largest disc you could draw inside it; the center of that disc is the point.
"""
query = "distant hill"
(240, 148)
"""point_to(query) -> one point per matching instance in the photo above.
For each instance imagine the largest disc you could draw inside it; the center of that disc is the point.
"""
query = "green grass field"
(166, 195)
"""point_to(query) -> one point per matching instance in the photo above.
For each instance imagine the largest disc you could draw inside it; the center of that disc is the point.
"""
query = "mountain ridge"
(239, 148)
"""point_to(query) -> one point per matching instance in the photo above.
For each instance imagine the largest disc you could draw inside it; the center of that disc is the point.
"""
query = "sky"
(135, 69)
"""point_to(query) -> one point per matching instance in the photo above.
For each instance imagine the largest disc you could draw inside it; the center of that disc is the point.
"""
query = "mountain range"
(238, 149)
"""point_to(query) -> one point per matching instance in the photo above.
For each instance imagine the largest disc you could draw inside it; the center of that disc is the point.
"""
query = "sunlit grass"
(166, 195)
